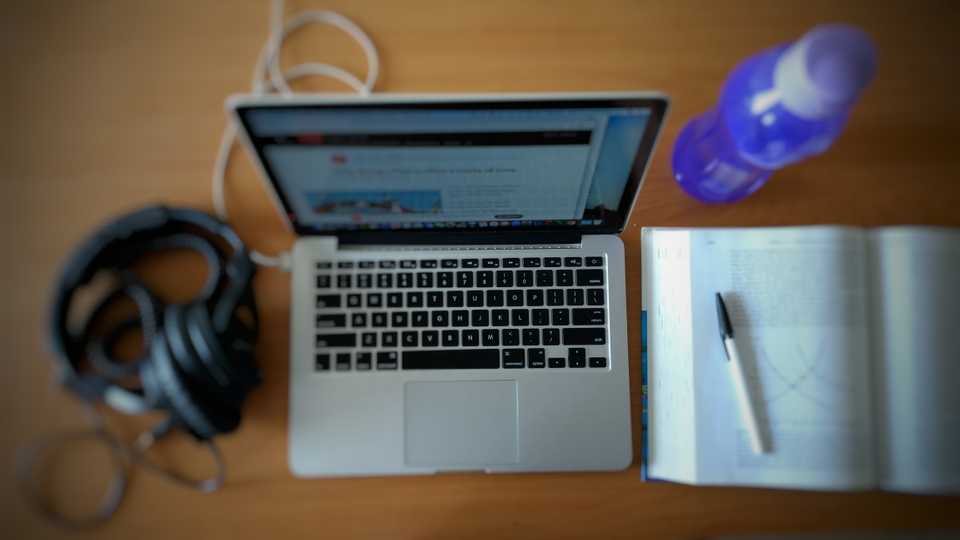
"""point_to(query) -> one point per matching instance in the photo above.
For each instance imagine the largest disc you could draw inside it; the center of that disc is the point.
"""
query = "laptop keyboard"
(461, 313)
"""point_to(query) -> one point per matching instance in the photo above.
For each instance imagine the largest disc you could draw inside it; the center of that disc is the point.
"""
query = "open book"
(850, 341)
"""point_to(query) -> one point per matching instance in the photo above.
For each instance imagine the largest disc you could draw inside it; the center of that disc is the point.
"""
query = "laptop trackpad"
(460, 423)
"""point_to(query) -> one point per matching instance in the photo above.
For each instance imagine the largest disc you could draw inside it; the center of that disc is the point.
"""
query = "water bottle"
(776, 108)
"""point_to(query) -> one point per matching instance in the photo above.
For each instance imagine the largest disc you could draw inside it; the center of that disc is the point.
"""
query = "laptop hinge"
(460, 238)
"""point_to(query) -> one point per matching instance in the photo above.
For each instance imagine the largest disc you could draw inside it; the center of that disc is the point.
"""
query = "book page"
(917, 282)
(797, 298)
(666, 299)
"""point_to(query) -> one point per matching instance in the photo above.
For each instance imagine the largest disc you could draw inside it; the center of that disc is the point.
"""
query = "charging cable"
(269, 78)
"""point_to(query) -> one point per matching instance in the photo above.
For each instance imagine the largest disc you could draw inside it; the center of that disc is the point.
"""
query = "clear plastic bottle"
(776, 108)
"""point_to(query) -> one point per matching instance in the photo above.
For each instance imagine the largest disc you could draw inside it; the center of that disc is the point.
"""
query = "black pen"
(747, 414)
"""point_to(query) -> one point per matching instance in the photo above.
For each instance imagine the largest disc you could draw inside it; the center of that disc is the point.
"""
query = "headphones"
(198, 360)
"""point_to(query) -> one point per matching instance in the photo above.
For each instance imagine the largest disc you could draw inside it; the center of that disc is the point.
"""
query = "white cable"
(268, 78)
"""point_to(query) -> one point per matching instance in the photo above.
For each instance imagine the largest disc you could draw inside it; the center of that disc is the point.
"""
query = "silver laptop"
(458, 282)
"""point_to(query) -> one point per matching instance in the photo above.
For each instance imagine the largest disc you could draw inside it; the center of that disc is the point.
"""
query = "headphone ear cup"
(204, 417)
(229, 355)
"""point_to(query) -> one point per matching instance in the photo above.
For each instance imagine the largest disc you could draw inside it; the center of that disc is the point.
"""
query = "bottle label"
(722, 178)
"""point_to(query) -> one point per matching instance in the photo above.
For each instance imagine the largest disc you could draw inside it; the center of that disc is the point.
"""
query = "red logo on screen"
(338, 159)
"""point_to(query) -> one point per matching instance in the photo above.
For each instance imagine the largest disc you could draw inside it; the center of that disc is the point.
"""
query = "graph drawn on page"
(802, 381)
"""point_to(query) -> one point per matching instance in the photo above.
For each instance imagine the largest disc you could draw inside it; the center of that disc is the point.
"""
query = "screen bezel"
(656, 103)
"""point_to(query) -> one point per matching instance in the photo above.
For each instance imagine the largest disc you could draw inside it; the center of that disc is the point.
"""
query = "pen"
(746, 405)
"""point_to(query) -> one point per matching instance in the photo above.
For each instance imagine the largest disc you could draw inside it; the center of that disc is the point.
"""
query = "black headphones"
(198, 363)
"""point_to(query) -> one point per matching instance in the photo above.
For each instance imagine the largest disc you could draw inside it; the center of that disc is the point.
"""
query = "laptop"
(458, 298)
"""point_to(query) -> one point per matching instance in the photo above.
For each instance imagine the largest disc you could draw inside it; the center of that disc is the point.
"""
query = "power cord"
(268, 78)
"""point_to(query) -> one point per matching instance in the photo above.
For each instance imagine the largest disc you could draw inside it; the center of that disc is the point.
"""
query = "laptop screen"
(455, 166)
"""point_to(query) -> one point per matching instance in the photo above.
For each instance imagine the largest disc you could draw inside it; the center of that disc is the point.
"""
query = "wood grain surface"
(108, 105)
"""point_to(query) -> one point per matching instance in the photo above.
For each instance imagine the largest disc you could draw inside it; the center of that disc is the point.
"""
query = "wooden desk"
(110, 105)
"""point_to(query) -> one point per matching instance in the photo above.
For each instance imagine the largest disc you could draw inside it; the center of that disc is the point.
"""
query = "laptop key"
(491, 337)
(544, 278)
(551, 336)
(485, 278)
(354, 300)
(345, 264)
(328, 301)
(464, 279)
(460, 317)
(431, 338)
(398, 319)
(577, 356)
(574, 262)
(448, 263)
(534, 297)
(331, 321)
(405, 280)
(524, 278)
(552, 262)
(321, 362)
(555, 297)
(470, 263)
(514, 297)
(561, 316)
(387, 360)
(474, 298)
(491, 263)
(470, 338)
(366, 264)
(536, 358)
(513, 358)
(388, 264)
(384, 281)
(440, 319)
(504, 278)
(558, 362)
(344, 281)
(540, 317)
(420, 318)
(428, 263)
(424, 280)
(511, 262)
(494, 298)
(409, 339)
(358, 320)
(598, 362)
(588, 317)
(584, 336)
(595, 297)
(323, 281)
(388, 339)
(500, 317)
(434, 299)
(574, 297)
(511, 336)
(324, 265)
(369, 339)
(408, 264)
(452, 359)
(394, 299)
(343, 362)
(564, 278)
(444, 280)
(450, 338)
(479, 317)
(589, 277)
(531, 336)
(531, 262)
(520, 317)
(378, 319)
(364, 281)
(364, 361)
(414, 299)
(374, 299)
(336, 340)
(454, 298)
(594, 261)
